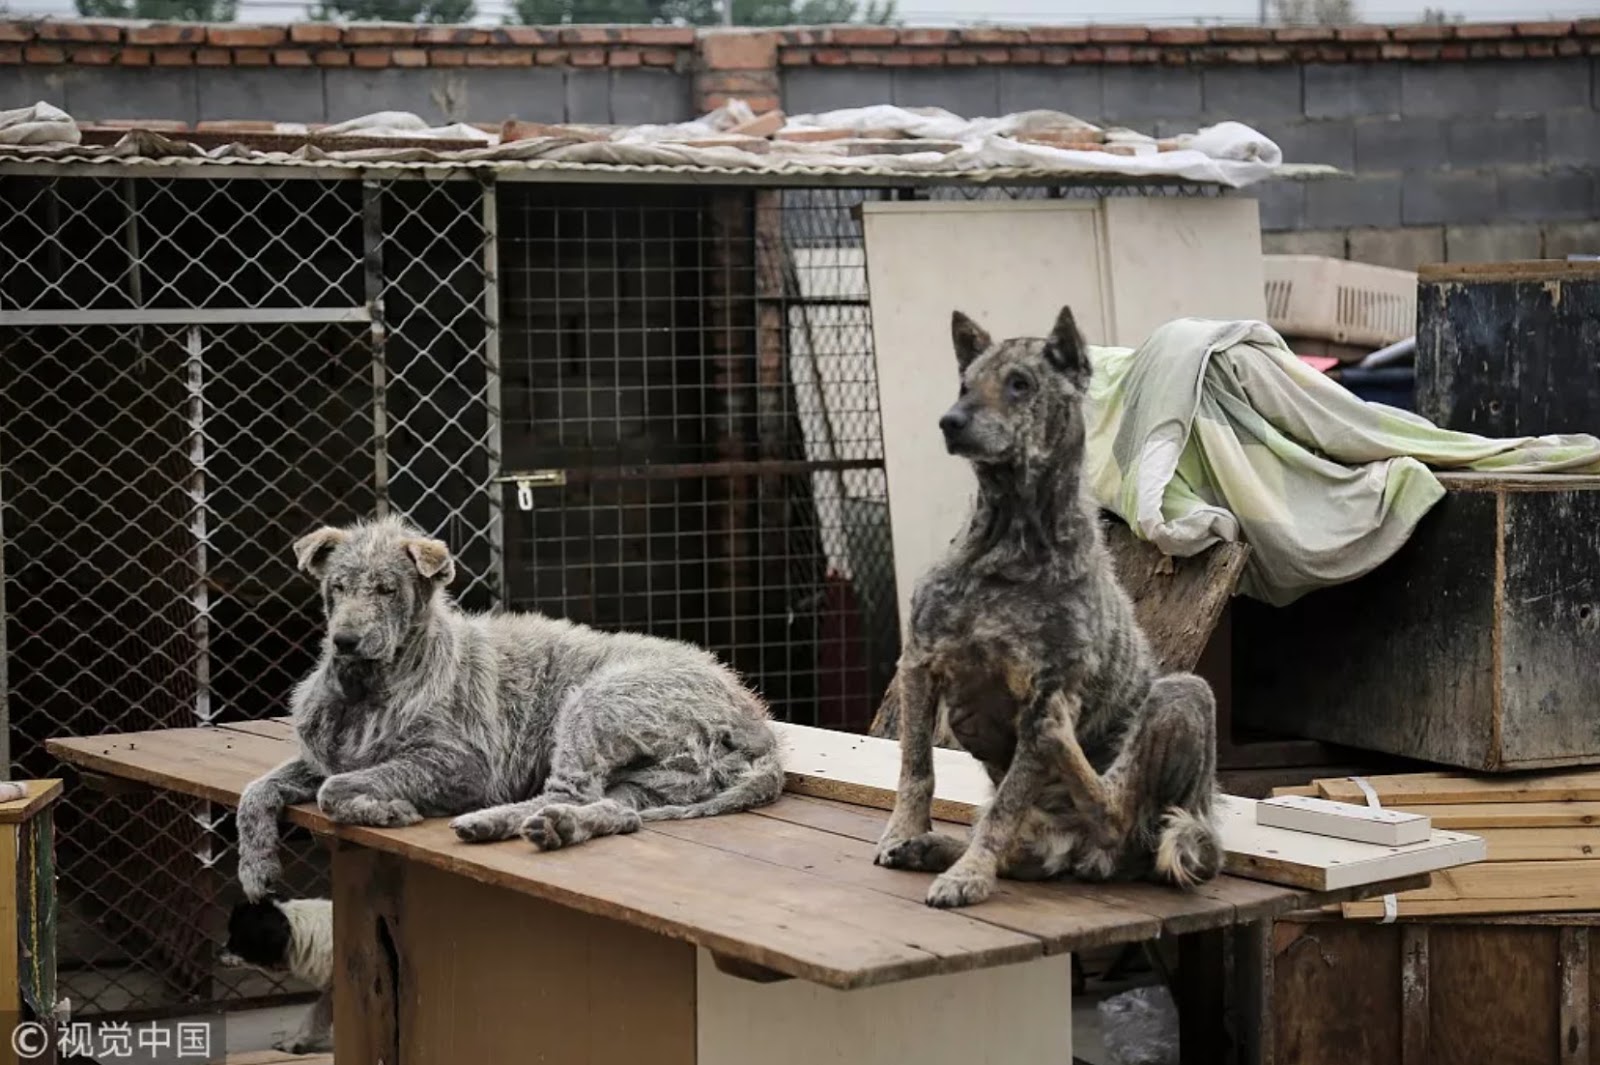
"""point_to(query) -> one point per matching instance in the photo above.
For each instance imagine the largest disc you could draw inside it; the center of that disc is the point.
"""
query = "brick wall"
(1467, 142)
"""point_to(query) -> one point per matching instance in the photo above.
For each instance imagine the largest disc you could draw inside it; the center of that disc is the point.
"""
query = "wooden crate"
(1507, 991)
(1475, 646)
(1507, 349)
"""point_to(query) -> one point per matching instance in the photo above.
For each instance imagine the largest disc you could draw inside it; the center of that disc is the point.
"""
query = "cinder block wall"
(1476, 141)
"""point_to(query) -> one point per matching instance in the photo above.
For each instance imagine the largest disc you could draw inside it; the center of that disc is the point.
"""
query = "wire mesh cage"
(641, 407)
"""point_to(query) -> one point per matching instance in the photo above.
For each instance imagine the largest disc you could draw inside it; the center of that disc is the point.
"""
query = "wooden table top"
(790, 887)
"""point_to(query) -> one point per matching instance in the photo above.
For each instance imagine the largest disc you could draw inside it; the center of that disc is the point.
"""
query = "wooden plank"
(1452, 908)
(1563, 885)
(865, 770)
(1479, 816)
(1492, 994)
(1414, 1014)
(41, 793)
(1575, 1017)
(1415, 790)
(1540, 844)
(1336, 991)
(1323, 817)
(10, 960)
(366, 922)
(276, 728)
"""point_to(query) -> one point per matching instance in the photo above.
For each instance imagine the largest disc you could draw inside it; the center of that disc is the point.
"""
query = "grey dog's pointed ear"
(311, 551)
(969, 338)
(433, 560)
(1065, 350)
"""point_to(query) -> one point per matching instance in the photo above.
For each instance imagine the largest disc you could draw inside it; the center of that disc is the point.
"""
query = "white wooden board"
(1343, 820)
(1125, 265)
(865, 770)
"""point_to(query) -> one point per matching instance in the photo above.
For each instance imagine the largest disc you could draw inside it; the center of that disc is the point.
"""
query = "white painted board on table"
(1344, 820)
(864, 770)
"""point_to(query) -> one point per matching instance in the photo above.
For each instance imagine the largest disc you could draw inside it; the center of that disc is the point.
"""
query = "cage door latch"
(527, 482)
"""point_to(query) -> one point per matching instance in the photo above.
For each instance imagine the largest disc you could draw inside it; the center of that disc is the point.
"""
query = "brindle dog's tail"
(760, 782)
(1188, 850)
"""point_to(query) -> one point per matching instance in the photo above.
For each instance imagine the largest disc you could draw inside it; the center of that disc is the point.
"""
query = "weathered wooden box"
(1477, 645)
(1508, 349)
(1490, 991)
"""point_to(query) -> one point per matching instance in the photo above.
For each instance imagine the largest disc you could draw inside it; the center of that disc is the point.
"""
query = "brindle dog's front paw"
(930, 852)
(347, 807)
(258, 876)
(960, 888)
(553, 827)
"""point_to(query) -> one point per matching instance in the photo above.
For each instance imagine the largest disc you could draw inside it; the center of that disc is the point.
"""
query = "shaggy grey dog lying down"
(519, 723)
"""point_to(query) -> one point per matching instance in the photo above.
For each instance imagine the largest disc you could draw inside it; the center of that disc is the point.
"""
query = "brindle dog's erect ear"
(311, 552)
(433, 559)
(970, 339)
(1064, 348)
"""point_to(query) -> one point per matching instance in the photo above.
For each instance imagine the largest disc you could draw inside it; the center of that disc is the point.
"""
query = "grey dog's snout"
(346, 643)
(954, 421)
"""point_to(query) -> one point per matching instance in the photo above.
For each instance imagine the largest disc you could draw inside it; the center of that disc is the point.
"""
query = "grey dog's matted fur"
(519, 723)
(1023, 635)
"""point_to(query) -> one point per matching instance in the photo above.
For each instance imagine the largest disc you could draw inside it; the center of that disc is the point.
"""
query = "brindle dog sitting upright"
(1023, 635)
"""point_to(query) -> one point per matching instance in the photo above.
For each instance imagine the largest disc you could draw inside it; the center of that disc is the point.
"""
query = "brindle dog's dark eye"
(964, 389)
(1018, 386)
(386, 589)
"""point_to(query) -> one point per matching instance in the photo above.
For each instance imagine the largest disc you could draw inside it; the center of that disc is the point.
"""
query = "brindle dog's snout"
(346, 643)
(954, 425)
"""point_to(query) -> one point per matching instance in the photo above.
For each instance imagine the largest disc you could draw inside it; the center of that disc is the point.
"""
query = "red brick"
(1366, 53)
(756, 103)
(927, 37)
(16, 32)
(88, 32)
(1587, 27)
(409, 57)
(333, 57)
(1511, 50)
(1144, 55)
(1422, 53)
(314, 33)
(44, 53)
(1592, 47)
(866, 57)
(798, 38)
(1058, 35)
(379, 34)
(447, 57)
(625, 57)
(1483, 31)
(896, 57)
(1427, 31)
(739, 51)
(1120, 54)
(674, 36)
(454, 35)
(1092, 53)
(1241, 55)
(865, 36)
(549, 57)
(246, 36)
(1176, 57)
(993, 35)
(1363, 33)
(1277, 55)
(134, 57)
(499, 57)
(588, 35)
(1332, 53)
(166, 33)
(1453, 52)
(959, 57)
(992, 56)
(1029, 56)
(10, 54)
(1544, 49)
(926, 57)
(173, 57)
(252, 57)
(659, 57)
(526, 36)
(1395, 51)
(1056, 57)
(794, 57)
(736, 81)
(94, 55)
(587, 57)
(213, 57)
(1543, 29)
(1241, 35)
(830, 57)
(1569, 48)
(371, 58)
(1300, 34)
(291, 57)
(1118, 34)
(1180, 35)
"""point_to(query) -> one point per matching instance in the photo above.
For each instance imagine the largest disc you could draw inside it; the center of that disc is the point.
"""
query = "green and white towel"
(1214, 431)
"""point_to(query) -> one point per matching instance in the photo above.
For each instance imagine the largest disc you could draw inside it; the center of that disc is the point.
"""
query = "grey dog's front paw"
(960, 888)
(486, 826)
(303, 1044)
(930, 852)
(348, 807)
(257, 876)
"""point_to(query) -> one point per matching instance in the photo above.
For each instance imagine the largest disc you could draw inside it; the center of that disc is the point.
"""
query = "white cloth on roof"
(41, 124)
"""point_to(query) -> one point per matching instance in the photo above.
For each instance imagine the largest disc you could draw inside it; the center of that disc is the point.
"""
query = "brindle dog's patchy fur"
(1023, 635)
(519, 723)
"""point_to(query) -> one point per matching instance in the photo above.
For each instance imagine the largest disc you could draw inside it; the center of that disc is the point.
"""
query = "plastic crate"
(1340, 301)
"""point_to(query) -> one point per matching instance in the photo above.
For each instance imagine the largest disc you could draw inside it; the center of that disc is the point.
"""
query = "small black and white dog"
(289, 937)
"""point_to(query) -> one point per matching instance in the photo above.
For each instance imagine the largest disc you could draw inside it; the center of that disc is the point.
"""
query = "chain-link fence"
(638, 406)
